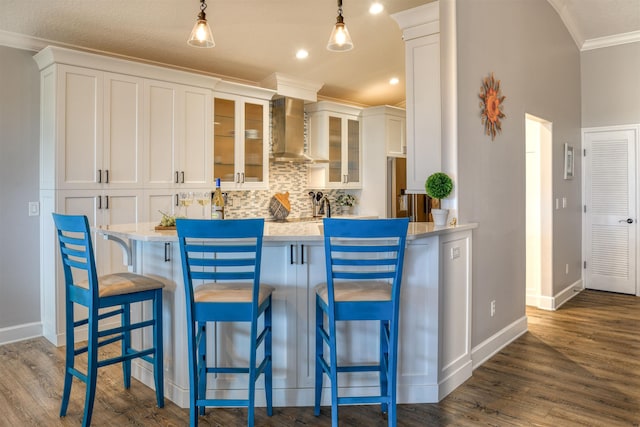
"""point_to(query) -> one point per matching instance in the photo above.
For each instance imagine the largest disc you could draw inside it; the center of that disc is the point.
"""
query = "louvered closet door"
(610, 218)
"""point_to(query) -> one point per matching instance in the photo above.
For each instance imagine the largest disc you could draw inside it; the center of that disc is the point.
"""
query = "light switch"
(455, 252)
(564, 202)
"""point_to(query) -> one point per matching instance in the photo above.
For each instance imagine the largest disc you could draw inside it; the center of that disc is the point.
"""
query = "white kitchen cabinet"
(178, 138)
(97, 115)
(335, 135)
(307, 259)
(241, 137)
(105, 125)
(383, 135)
(424, 103)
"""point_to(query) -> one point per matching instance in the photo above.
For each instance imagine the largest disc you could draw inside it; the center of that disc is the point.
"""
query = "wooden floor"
(578, 366)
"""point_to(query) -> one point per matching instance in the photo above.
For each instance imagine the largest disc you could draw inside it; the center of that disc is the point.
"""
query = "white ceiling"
(255, 38)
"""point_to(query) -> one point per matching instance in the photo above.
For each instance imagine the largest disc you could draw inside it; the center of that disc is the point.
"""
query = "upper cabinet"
(421, 33)
(335, 135)
(178, 130)
(241, 136)
(388, 127)
(96, 116)
(113, 124)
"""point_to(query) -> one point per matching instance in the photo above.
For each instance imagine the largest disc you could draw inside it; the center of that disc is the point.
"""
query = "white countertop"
(273, 231)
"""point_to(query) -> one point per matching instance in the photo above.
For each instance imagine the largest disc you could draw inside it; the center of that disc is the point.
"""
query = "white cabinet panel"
(122, 131)
(80, 110)
(160, 127)
(196, 153)
(424, 149)
(178, 143)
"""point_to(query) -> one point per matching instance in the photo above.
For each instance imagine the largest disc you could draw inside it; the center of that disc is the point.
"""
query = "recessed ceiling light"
(394, 81)
(376, 8)
(302, 54)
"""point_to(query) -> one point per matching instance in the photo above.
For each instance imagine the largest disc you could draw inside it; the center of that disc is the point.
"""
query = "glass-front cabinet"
(334, 131)
(241, 138)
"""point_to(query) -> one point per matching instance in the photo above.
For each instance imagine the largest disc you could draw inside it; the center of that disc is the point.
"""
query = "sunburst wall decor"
(491, 104)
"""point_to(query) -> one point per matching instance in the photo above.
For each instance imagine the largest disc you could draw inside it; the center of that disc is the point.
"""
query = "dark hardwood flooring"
(578, 366)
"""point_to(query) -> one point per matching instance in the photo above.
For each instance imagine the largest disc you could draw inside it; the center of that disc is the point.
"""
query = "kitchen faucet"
(324, 200)
(318, 200)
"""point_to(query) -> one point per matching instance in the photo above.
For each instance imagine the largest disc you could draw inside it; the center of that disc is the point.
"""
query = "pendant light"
(340, 40)
(201, 35)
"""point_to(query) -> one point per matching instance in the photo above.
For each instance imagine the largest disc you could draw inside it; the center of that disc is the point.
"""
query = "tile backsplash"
(283, 177)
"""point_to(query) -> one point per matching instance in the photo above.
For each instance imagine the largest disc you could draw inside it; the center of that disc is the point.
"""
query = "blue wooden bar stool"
(120, 290)
(223, 258)
(364, 259)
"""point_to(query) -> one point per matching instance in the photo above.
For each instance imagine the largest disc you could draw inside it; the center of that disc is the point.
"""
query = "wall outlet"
(493, 308)
(34, 208)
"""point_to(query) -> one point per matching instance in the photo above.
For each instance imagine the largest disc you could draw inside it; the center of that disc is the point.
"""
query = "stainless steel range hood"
(288, 131)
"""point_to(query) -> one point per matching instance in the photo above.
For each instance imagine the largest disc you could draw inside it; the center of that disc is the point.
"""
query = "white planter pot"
(440, 216)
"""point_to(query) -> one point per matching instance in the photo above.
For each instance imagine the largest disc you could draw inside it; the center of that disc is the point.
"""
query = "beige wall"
(19, 180)
(526, 45)
(611, 85)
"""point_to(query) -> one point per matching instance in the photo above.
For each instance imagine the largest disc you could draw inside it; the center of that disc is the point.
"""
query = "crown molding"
(561, 8)
(608, 41)
(21, 41)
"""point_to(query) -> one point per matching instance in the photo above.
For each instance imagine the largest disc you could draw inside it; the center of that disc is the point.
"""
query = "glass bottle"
(217, 202)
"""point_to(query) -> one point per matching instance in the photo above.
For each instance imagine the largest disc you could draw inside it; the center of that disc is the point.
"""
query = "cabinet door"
(395, 136)
(196, 145)
(335, 137)
(157, 201)
(357, 340)
(240, 142)
(255, 162)
(285, 313)
(79, 132)
(352, 152)
(161, 100)
(311, 272)
(424, 146)
(122, 148)
(336, 171)
(224, 145)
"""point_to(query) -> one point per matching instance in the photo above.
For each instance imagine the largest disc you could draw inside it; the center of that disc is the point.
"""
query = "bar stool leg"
(384, 363)
(126, 344)
(268, 375)
(158, 357)
(319, 354)
(201, 367)
(70, 359)
(92, 368)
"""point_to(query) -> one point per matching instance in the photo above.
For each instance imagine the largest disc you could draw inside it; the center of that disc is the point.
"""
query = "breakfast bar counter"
(435, 326)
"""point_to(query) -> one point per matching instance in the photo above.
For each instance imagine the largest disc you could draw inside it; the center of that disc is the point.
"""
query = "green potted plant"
(346, 201)
(438, 186)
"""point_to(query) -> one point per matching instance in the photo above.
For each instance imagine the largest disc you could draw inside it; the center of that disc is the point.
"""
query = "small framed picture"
(568, 161)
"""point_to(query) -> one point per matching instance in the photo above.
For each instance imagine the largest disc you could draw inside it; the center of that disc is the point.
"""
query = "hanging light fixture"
(201, 35)
(340, 40)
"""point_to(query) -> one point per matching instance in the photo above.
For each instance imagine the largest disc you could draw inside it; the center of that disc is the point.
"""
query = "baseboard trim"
(485, 350)
(556, 301)
(20, 332)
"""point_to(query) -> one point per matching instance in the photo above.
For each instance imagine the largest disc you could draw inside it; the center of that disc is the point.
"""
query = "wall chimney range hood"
(288, 131)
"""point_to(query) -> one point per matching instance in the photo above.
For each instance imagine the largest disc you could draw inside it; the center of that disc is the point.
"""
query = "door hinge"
(585, 264)
(584, 152)
(585, 209)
